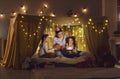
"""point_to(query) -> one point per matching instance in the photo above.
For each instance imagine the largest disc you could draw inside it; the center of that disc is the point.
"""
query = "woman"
(59, 42)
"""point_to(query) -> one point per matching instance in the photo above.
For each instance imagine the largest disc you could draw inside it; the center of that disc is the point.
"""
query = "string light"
(1, 15)
(14, 14)
(98, 30)
(52, 14)
(23, 7)
(84, 10)
(75, 15)
(45, 5)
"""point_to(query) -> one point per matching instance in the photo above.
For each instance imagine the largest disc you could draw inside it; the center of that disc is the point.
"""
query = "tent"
(25, 32)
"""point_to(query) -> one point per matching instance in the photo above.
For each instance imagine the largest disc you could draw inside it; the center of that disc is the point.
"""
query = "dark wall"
(60, 7)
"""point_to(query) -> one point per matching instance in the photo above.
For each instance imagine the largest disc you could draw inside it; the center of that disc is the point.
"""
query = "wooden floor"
(61, 73)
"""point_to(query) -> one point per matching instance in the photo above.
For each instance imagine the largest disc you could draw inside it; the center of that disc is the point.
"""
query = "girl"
(44, 51)
(71, 49)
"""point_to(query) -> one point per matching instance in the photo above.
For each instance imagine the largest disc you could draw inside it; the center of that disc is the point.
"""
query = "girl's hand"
(74, 50)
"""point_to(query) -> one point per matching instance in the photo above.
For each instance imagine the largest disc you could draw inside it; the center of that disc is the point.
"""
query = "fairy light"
(106, 20)
(84, 10)
(90, 19)
(45, 5)
(41, 12)
(34, 34)
(1, 15)
(38, 27)
(96, 30)
(26, 33)
(23, 7)
(14, 14)
(75, 15)
(23, 30)
(21, 25)
(88, 22)
(52, 14)
(103, 27)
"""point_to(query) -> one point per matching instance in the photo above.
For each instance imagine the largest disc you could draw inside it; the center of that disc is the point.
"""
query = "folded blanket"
(61, 60)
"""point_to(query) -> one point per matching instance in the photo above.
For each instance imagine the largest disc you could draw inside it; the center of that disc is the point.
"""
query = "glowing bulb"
(106, 24)
(84, 10)
(34, 34)
(43, 17)
(88, 22)
(39, 22)
(26, 33)
(93, 27)
(106, 20)
(23, 7)
(41, 12)
(40, 19)
(101, 30)
(95, 30)
(38, 27)
(45, 5)
(1, 15)
(22, 16)
(23, 30)
(52, 14)
(50, 20)
(75, 15)
(24, 11)
(30, 35)
(73, 22)
(103, 27)
(21, 21)
(14, 13)
(46, 19)
(21, 25)
(90, 19)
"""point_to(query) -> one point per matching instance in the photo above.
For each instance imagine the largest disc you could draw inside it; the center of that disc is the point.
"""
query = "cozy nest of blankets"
(59, 61)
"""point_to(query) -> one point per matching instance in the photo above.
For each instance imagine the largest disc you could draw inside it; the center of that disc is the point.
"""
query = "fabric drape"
(98, 43)
(23, 38)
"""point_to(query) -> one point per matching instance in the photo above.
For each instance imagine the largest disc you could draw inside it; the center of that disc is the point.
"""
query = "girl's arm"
(47, 50)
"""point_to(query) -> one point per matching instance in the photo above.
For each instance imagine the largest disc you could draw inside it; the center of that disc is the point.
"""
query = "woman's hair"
(73, 38)
(57, 30)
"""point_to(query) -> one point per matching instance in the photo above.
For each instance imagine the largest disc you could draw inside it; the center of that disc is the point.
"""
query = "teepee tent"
(23, 37)
(25, 32)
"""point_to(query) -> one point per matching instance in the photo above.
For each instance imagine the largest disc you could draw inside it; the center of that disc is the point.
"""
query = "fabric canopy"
(25, 32)
(23, 37)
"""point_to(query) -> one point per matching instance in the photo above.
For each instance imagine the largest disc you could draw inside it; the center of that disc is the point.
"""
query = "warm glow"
(45, 5)
(41, 12)
(14, 14)
(1, 15)
(23, 7)
(90, 19)
(24, 11)
(84, 10)
(106, 20)
(52, 14)
(75, 15)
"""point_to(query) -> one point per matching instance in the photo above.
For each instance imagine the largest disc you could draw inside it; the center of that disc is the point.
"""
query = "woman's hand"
(57, 47)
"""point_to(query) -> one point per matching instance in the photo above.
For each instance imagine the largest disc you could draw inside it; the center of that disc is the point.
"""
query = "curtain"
(24, 34)
(97, 38)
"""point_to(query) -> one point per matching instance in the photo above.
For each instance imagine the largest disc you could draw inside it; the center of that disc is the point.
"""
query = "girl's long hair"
(43, 39)
(73, 38)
